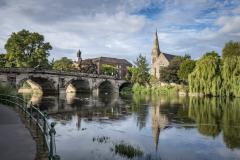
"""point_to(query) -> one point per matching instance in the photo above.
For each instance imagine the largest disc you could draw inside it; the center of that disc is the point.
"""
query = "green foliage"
(64, 64)
(169, 74)
(127, 150)
(108, 69)
(214, 115)
(159, 90)
(231, 49)
(2, 60)
(186, 67)
(140, 72)
(214, 77)
(27, 49)
(206, 77)
(231, 76)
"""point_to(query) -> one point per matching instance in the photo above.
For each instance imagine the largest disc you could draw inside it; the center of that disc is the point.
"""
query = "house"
(120, 64)
(159, 59)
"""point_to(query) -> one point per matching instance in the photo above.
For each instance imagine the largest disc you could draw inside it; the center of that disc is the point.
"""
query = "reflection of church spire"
(78, 124)
(158, 122)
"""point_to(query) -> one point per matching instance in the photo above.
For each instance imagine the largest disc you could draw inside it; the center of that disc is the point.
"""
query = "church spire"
(155, 50)
(156, 44)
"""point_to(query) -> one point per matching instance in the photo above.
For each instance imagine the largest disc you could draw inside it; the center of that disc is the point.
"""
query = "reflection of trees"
(231, 123)
(207, 114)
(139, 108)
(215, 115)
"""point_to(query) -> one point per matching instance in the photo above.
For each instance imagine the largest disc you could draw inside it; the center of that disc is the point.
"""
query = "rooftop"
(110, 60)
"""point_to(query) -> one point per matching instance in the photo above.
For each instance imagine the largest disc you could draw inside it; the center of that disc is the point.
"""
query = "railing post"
(44, 128)
(37, 121)
(30, 115)
(52, 133)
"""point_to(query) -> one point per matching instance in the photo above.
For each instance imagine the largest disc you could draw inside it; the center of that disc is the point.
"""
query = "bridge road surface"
(16, 142)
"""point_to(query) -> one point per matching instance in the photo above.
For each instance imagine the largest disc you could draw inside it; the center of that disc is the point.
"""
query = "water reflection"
(194, 128)
(214, 116)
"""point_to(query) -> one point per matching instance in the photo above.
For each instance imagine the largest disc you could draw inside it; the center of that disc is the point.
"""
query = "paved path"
(16, 142)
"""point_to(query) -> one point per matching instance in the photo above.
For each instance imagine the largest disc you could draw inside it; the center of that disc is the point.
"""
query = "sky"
(124, 28)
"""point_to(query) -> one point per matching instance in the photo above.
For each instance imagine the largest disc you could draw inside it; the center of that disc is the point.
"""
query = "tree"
(108, 70)
(186, 67)
(140, 72)
(2, 60)
(64, 64)
(27, 49)
(231, 76)
(206, 77)
(169, 74)
(231, 49)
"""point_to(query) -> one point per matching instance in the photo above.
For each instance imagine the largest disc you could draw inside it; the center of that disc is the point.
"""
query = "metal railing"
(34, 116)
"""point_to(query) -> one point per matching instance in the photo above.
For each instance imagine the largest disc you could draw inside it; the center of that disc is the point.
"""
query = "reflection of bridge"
(58, 81)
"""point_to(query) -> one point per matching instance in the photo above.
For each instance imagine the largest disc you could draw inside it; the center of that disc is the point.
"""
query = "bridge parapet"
(54, 72)
(58, 81)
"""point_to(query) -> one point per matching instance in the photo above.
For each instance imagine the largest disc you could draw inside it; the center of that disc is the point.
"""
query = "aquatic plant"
(127, 150)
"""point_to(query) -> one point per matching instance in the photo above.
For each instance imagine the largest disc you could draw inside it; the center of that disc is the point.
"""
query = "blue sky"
(124, 28)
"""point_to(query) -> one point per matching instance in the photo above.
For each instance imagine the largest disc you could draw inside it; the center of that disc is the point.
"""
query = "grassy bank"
(147, 90)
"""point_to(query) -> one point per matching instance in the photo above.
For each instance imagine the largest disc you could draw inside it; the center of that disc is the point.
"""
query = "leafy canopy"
(27, 49)
(186, 67)
(140, 72)
(64, 64)
(108, 69)
(231, 49)
(169, 74)
(206, 77)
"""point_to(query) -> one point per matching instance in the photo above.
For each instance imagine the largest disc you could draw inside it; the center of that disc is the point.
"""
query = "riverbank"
(16, 141)
(163, 89)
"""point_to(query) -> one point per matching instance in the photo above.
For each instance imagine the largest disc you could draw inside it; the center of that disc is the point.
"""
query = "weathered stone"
(56, 81)
(159, 59)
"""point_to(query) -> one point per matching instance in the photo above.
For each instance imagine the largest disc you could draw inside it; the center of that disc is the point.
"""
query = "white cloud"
(109, 28)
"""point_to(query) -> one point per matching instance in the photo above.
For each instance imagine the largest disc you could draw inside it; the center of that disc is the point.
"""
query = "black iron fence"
(35, 117)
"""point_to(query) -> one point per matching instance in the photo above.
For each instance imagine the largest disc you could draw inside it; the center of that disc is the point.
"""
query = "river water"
(143, 127)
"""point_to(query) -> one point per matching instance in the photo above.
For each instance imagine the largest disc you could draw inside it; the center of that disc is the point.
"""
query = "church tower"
(155, 55)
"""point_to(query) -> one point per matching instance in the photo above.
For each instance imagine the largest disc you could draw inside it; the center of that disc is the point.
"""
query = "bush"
(139, 89)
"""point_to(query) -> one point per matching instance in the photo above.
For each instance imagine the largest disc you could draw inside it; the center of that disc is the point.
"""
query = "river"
(143, 127)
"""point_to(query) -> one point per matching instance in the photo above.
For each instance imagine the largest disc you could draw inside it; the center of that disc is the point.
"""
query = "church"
(159, 59)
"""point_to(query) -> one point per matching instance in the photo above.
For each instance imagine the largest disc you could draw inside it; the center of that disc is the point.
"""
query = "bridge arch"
(125, 85)
(78, 85)
(46, 85)
(105, 87)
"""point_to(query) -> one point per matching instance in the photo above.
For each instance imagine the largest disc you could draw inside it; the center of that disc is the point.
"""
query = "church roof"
(169, 56)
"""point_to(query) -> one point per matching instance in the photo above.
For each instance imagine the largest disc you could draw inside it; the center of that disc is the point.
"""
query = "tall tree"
(2, 60)
(231, 49)
(206, 77)
(27, 49)
(186, 67)
(169, 74)
(231, 76)
(64, 64)
(140, 72)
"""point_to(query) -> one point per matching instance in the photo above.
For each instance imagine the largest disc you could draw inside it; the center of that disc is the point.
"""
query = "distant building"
(120, 64)
(159, 59)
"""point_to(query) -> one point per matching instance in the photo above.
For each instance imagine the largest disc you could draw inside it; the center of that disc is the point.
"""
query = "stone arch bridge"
(61, 82)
